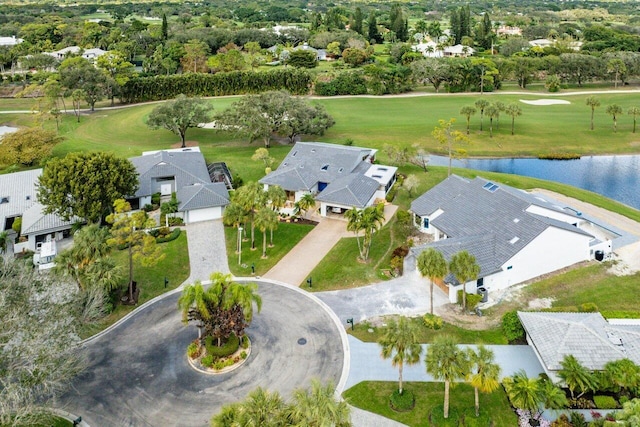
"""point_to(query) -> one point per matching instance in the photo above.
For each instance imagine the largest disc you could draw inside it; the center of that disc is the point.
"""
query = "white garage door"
(207, 214)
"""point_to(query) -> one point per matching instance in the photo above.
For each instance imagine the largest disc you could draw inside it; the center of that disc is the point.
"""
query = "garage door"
(198, 215)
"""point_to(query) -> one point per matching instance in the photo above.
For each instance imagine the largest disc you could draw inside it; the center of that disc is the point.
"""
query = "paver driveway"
(138, 374)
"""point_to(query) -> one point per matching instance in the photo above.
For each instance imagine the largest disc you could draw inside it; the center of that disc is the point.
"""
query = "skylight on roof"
(487, 185)
(516, 220)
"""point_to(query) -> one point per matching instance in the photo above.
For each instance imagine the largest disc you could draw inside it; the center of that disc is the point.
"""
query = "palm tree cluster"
(366, 221)
(432, 264)
(223, 309)
(614, 110)
(314, 407)
(445, 360)
(251, 204)
(491, 110)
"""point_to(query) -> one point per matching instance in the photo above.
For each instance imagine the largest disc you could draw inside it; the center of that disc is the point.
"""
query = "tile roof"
(586, 336)
(19, 188)
(35, 221)
(200, 196)
(352, 190)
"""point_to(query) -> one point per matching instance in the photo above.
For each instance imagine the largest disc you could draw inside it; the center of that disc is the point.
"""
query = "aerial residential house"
(429, 49)
(340, 177)
(589, 337)
(89, 54)
(507, 31)
(18, 199)
(10, 41)
(182, 171)
(515, 236)
(458, 51)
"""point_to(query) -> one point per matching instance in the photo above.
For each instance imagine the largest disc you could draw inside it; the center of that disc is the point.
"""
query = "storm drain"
(302, 341)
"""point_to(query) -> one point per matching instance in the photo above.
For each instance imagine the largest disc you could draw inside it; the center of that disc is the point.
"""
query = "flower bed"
(206, 363)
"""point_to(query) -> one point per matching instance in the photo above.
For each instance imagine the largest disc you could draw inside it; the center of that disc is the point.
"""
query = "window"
(510, 267)
(490, 187)
(480, 282)
(425, 222)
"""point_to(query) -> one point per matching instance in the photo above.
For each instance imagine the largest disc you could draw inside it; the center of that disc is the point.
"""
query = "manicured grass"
(591, 284)
(373, 396)
(284, 239)
(425, 335)
(175, 267)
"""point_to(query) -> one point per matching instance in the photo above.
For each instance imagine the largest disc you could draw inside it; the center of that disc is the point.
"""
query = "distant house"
(541, 43)
(90, 54)
(514, 236)
(10, 41)
(428, 49)
(340, 177)
(590, 338)
(18, 199)
(184, 172)
(507, 31)
(458, 51)
(321, 54)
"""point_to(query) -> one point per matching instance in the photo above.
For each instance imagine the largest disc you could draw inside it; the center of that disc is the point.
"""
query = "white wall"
(539, 210)
(197, 215)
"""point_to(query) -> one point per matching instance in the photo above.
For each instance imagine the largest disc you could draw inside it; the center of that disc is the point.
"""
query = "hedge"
(605, 402)
(172, 236)
(141, 89)
(227, 349)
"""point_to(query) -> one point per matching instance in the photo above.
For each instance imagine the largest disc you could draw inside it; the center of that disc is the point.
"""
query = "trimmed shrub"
(432, 321)
(402, 402)
(147, 207)
(588, 307)
(391, 194)
(193, 350)
(581, 403)
(171, 236)
(17, 225)
(512, 327)
(155, 199)
(472, 300)
(207, 361)
(245, 341)
(577, 419)
(605, 402)
(348, 83)
(155, 232)
(226, 349)
(173, 221)
(243, 355)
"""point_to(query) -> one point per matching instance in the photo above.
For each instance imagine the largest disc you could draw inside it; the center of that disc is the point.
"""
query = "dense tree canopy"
(27, 147)
(179, 115)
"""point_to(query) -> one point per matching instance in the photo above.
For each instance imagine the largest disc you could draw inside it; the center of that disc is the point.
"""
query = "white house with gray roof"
(589, 337)
(18, 192)
(514, 236)
(183, 171)
(340, 177)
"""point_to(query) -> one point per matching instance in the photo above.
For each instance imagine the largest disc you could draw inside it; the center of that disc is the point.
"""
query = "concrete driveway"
(138, 374)
(207, 249)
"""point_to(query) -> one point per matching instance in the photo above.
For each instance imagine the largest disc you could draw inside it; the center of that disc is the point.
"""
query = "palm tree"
(513, 110)
(400, 343)
(486, 375)
(553, 397)
(233, 294)
(260, 408)
(634, 111)
(493, 112)
(468, 111)
(622, 374)
(592, 102)
(431, 264)
(501, 108)
(305, 203)
(524, 392)
(250, 197)
(195, 299)
(614, 110)
(446, 362)
(318, 407)
(576, 376)
(481, 104)
(266, 219)
(367, 220)
(464, 267)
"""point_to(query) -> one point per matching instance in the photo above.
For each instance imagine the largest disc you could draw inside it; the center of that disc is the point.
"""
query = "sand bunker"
(545, 101)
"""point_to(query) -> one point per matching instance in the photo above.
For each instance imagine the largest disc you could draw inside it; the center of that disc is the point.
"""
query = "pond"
(616, 177)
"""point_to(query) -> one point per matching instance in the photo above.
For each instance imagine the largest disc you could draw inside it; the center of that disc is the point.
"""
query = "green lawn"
(373, 396)
(284, 239)
(425, 335)
(175, 267)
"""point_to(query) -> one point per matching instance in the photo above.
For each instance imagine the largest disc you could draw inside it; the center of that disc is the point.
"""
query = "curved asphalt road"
(138, 374)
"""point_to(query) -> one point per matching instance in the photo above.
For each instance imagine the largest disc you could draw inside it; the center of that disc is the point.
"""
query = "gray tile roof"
(586, 336)
(34, 221)
(188, 168)
(353, 190)
(20, 190)
(311, 162)
(491, 225)
(200, 196)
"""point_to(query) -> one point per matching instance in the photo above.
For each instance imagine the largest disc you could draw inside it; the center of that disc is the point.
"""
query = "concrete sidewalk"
(294, 268)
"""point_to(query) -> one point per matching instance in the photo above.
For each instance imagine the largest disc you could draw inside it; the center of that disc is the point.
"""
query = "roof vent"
(325, 167)
(516, 220)
(294, 153)
(4, 200)
(313, 150)
(340, 170)
(376, 176)
(615, 340)
(28, 197)
(515, 239)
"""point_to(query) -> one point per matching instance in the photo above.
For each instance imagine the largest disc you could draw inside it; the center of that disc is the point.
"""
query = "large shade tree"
(28, 146)
(432, 264)
(400, 344)
(79, 73)
(85, 185)
(179, 115)
(446, 362)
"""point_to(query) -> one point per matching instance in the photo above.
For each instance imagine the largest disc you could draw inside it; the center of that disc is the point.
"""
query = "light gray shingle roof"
(188, 168)
(351, 190)
(20, 190)
(586, 336)
(201, 196)
(34, 221)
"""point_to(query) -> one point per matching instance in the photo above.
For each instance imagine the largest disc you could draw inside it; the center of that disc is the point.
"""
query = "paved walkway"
(294, 268)
(367, 365)
(207, 249)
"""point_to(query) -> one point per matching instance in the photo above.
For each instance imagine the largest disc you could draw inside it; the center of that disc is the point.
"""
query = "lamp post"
(239, 245)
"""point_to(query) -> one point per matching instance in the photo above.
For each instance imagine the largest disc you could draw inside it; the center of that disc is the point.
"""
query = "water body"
(616, 177)
(7, 129)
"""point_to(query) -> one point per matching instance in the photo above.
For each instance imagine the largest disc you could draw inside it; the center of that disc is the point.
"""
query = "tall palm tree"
(266, 219)
(305, 203)
(493, 112)
(231, 294)
(593, 103)
(513, 110)
(485, 375)
(368, 221)
(553, 397)
(464, 267)
(431, 264)
(446, 362)
(481, 104)
(576, 376)
(318, 407)
(614, 110)
(634, 111)
(195, 299)
(260, 408)
(501, 108)
(400, 343)
(251, 197)
(468, 111)
(524, 392)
